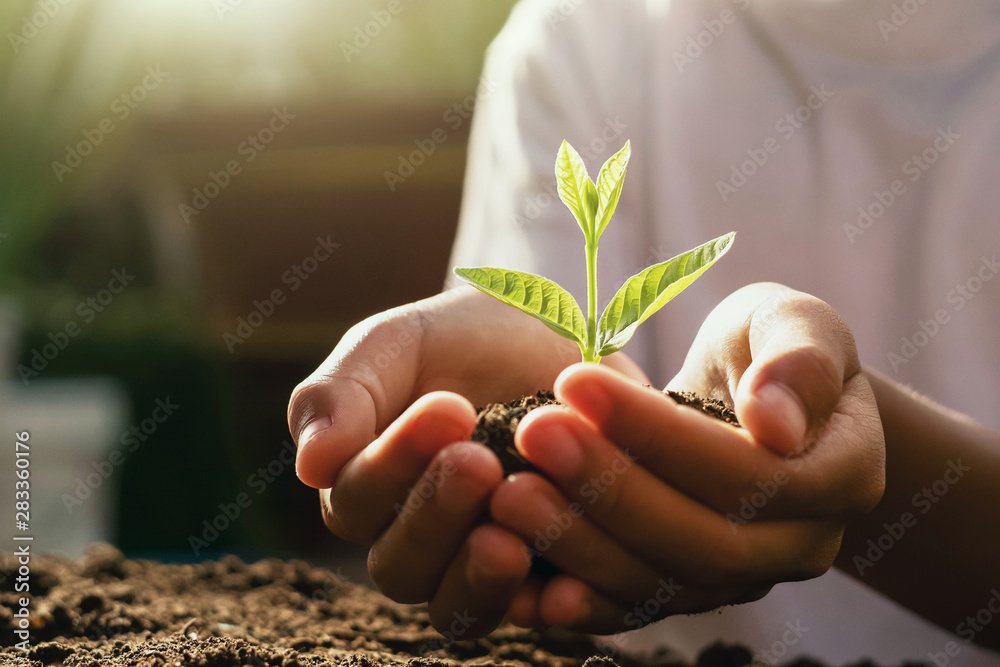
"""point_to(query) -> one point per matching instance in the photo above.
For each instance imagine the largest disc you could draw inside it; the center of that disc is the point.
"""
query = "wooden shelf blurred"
(323, 176)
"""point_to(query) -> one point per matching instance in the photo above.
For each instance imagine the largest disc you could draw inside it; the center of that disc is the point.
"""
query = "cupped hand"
(651, 508)
(383, 427)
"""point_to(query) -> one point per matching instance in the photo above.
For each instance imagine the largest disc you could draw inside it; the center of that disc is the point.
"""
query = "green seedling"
(642, 295)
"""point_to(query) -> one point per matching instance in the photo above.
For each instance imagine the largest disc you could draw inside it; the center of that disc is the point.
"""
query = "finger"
(802, 352)
(710, 461)
(333, 436)
(357, 391)
(783, 356)
(530, 507)
(479, 584)
(408, 561)
(692, 540)
(570, 603)
(567, 602)
(714, 463)
(379, 477)
(523, 608)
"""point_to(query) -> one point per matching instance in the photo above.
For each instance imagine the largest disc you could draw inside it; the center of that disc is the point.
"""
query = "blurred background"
(198, 197)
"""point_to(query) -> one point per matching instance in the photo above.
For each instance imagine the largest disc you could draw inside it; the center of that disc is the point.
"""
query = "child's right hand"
(382, 429)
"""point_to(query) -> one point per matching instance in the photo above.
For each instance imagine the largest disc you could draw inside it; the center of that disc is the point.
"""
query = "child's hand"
(706, 514)
(382, 429)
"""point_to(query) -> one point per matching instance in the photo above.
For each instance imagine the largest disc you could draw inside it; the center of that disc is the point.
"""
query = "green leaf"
(592, 200)
(609, 185)
(539, 297)
(572, 182)
(648, 291)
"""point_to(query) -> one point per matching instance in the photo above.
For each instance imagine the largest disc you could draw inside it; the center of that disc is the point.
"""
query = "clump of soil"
(103, 610)
(497, 422)
(710, 406)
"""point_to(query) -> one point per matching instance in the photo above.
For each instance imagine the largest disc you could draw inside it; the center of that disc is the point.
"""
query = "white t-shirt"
(854, 145)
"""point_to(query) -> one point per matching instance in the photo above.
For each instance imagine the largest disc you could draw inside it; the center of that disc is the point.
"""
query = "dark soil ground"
(103, 610)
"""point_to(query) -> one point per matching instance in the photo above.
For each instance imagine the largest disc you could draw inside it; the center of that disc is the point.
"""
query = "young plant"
(642, 295)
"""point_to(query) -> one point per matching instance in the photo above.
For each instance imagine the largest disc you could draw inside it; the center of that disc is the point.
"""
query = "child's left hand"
(655, 509)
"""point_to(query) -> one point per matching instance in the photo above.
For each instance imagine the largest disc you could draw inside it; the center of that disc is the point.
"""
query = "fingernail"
(583, 611)
(575, 608)
(780, 401)
(482, 572)
(557, 451)
(478, 574)
(458, 492)
(312, 428)
(459, 496)
(583, 393)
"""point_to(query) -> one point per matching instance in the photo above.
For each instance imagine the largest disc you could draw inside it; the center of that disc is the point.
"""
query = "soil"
(498, 421)
(103, 610)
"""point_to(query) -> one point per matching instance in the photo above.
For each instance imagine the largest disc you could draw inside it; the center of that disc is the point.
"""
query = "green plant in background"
(642, 295)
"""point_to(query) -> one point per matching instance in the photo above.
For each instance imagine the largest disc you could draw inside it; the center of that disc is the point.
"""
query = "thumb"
(801, 355)
(360, 388)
